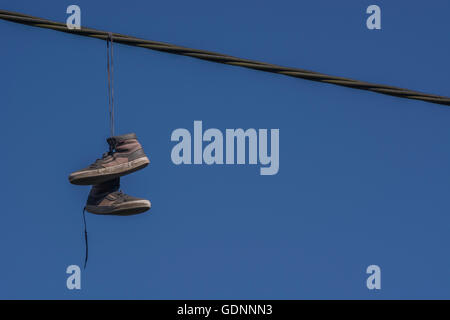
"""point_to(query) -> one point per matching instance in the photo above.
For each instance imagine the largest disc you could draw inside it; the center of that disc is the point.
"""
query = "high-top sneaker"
(106, 198)
(125, 156)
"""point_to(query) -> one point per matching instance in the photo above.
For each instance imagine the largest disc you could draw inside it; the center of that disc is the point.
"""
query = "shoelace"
(104, 157)
(85, 238)
(121, 197)
(110, 68)
(112, 148)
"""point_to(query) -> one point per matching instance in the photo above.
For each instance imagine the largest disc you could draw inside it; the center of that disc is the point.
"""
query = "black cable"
(225, 59)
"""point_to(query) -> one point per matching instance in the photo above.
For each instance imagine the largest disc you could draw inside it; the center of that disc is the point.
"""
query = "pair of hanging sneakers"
(125, 156)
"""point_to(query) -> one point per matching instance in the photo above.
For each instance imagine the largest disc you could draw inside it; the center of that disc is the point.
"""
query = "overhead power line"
(225, 59)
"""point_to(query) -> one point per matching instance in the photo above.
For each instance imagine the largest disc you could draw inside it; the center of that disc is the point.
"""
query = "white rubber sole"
(123, 209)
(96, 176)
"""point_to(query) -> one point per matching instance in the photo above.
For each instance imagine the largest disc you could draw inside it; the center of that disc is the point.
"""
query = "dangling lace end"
(85, 238)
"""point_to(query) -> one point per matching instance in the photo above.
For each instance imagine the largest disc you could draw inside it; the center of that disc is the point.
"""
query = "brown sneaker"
(125, 156)
(105, 198)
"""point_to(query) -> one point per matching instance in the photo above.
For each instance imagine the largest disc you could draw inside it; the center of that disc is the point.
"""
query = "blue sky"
(364, 178)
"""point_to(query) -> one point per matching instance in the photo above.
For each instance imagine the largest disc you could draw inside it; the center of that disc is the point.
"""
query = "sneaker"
(107, 199)
(124, 157)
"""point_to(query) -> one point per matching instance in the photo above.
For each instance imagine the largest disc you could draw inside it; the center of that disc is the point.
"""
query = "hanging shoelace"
(105, 156)
(85, 238)
(110, 69)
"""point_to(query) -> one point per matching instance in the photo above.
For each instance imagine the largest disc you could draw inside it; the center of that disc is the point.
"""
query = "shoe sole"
(97, 176)
(124, 209)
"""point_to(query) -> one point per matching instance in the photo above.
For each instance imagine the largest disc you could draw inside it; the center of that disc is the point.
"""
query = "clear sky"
(364, 178)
